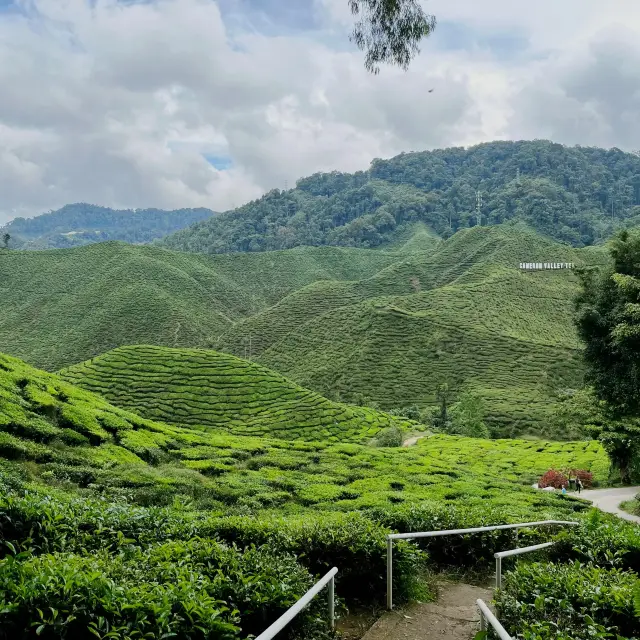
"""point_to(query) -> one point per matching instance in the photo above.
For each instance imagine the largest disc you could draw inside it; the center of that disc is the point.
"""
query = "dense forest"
(80, 224)
(578, 195)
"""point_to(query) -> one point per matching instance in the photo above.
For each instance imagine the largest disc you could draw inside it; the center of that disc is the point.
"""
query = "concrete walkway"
(609, 500)
(453, 617)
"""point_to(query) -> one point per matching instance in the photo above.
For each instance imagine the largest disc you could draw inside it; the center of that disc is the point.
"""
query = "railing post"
(389, 573)
(332, 603)
(517, 536)
(498, 573)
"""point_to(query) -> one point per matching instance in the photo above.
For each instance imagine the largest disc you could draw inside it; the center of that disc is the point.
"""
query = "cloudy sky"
(181, 103)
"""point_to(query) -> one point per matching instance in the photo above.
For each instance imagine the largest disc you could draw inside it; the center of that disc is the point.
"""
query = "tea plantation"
(116, 524)
(465, 314)
(61, 307)
(202, 388)
(382, 328)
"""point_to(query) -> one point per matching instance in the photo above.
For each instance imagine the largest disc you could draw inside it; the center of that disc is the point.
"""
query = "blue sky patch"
(221, 163)
(457, 36)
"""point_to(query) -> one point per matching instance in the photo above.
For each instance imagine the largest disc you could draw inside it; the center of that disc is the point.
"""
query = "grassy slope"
(62, 307)
(201, 388)
(76, 437)
(464, 315)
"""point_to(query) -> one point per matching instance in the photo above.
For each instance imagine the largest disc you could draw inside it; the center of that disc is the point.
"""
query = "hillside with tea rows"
(380, 328)
(200, 388)
(75, 436)
(62, 307)
(464, 316)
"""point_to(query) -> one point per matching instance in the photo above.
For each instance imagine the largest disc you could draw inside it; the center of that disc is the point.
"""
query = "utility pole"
(518, 175)
(478, 208)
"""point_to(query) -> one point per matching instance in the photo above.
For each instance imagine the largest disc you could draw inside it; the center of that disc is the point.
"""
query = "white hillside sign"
(541, 266)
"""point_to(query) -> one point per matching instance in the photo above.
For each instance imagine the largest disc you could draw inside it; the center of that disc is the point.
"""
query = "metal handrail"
(293, 611)
(450, 532)
(515, 552)
(486, 615)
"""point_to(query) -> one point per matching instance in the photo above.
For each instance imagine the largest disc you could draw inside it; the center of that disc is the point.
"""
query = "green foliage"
(390, 437)
(352, 542)
(355, 325)
(390, 31)
(603, 540)
(80, 224)
(544, 601)
(460, 315)
(138, 528)
(467, 417)
(608, 323)
(609, 312)
(200, 388)
(564, 192)
(195, 589)
(121, 454)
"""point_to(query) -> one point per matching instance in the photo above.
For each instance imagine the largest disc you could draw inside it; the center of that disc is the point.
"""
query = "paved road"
(609, 499)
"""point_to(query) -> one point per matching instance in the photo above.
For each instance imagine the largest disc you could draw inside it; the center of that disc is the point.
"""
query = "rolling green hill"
(62, 307)
(568, 193)
(76, 436)
(79, 224)
(198, 388)
(464, 315)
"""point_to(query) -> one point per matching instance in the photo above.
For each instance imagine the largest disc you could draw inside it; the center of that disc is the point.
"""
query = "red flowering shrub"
(553, 478)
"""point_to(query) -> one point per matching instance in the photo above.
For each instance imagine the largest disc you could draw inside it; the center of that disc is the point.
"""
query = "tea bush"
(203, 388)
(545, 601)
(601, 539)
(351, 542)
(469, 550)
(194, 590)
(43, 524)
(149, 510)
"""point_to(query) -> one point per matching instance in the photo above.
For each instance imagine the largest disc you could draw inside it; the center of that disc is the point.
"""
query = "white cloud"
(118, 103)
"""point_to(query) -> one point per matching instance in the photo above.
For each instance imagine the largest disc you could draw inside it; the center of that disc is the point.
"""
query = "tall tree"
(5, 239)
(608, 322)
(389, 30)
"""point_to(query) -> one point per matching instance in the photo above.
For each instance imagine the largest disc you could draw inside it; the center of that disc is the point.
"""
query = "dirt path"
(609, 500)
(409, 442)
(453, 617)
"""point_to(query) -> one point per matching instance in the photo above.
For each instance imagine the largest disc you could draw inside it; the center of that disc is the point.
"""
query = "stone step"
(453, 616)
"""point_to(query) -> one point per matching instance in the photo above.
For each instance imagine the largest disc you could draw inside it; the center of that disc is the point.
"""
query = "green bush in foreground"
(471, 550)
(198, 589)
(601, 539)
(42, 524)
(545, 601)
(351, 542)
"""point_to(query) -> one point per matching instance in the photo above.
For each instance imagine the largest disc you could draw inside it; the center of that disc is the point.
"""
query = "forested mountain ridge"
(578, 195)
(81, 223)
